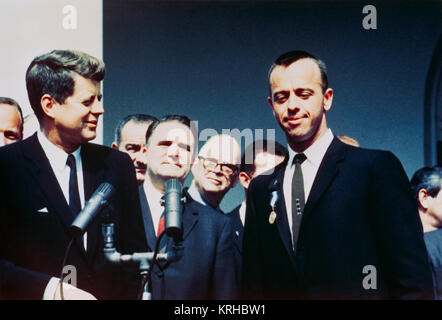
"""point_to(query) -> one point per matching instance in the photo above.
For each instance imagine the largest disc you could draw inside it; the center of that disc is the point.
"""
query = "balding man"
(215, 170)
(11, 121)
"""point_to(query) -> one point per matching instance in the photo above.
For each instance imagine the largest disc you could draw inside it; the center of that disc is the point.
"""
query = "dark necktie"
(298, 197)
(74, 195)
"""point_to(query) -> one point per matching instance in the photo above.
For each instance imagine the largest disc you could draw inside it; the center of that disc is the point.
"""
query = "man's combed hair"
(290, 57)
(53, 74)
(136, 118)
(428, 178)
(170, 117)
(12, 102)
(249, 155)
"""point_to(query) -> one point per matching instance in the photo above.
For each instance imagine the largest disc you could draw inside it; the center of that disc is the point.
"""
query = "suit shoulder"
(234, 211)
(370, 155)
(9, 153)
(104, 152)
(207, 213)
(266, 180)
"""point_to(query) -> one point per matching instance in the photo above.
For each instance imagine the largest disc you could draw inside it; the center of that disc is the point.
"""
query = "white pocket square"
(43, 210)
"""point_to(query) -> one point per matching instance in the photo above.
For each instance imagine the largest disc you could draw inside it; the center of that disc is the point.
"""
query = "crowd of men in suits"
(314, 217)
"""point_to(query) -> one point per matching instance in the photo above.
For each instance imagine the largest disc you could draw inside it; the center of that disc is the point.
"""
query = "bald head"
(224, 148)
(216, 169)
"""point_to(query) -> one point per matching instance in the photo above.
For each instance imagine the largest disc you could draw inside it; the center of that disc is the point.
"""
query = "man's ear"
(423, 199)
(48, 105)
(244, 179)
(328, 99)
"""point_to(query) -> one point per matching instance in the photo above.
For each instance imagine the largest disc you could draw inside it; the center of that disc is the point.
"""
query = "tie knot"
(299, 158)
(71, 161)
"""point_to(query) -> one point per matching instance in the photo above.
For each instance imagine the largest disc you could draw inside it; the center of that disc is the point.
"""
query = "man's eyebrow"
(184, 145)
(280, 92)
(133, 145)
(164, 142)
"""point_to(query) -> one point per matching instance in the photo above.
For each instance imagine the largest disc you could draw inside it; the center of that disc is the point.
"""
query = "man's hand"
(72, 293)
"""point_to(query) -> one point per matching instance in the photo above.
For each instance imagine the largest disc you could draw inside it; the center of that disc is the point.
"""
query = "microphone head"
(92, 207)
(173, 207)
(173, 185)
(106, 190)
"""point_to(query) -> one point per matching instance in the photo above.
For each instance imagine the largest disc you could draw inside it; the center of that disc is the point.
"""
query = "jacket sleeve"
(16, 282)
(224, 269)
(131, 228)
(252, 273)
(399, 231)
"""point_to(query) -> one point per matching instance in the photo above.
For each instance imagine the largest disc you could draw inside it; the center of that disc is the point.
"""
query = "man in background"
(426, 184)
(11, 121)
(215, 171)
(258, 158)
(130, 137)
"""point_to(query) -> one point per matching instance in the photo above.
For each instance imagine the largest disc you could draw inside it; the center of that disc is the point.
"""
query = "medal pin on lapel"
(273, 200)
(272, 216)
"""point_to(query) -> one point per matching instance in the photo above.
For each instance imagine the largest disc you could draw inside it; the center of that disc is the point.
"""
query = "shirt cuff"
(50, 289)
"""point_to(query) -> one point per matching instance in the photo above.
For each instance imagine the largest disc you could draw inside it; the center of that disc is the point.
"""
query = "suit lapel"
(281, 221)
(93, 174)
(147, 219)
(42, 172)
(326, 173)
(190, 215)
(238, 228)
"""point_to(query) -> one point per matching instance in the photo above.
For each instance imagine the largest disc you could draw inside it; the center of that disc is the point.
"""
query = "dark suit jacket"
(32, 243)
(238, 231)
(206, 269)
(359, 213)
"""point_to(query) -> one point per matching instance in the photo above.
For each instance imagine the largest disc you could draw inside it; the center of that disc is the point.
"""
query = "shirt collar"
(57, 157)
(194, 193)
(153, 195)
(316, 151)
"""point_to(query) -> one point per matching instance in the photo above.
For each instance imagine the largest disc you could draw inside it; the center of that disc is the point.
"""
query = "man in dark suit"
(206, 268)
(426, 184)
(335, 221)
(258, 158)
(46, 180)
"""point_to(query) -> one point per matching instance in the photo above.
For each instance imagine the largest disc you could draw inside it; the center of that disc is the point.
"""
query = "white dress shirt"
(315, 153)
(242, 212)
(57, 160)
(153, 196)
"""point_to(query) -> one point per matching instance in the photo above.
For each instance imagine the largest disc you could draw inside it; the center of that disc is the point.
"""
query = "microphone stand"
(146, 260)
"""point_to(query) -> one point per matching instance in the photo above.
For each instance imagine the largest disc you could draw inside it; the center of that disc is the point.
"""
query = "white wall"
(29, 28)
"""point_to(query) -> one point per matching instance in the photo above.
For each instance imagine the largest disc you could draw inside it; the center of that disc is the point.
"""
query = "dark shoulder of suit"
(433, 241)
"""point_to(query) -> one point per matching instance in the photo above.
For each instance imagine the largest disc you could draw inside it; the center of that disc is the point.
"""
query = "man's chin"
(89, 135)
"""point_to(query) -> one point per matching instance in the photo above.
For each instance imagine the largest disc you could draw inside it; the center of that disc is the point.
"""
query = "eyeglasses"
(211, 164)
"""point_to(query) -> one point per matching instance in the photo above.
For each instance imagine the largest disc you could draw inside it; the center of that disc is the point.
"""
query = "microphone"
(172, 207)
(92, 208)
